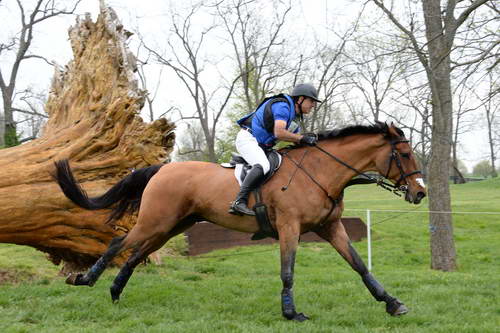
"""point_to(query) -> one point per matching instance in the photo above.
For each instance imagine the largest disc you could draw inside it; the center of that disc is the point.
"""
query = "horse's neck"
(358, 154)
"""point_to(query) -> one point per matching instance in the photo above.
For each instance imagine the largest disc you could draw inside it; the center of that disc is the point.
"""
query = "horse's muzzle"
(415, 199)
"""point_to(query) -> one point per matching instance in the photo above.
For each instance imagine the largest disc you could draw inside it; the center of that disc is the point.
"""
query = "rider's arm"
(281, 133)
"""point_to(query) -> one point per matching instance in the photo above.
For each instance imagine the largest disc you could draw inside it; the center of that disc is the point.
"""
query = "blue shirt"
(281, 111)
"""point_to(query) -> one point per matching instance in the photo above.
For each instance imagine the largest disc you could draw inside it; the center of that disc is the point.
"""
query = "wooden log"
(93, 121)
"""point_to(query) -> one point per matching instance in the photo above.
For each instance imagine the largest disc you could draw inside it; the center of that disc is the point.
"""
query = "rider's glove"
(309, 139)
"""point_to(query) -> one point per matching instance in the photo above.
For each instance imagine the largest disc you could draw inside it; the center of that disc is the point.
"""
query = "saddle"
(241, 167)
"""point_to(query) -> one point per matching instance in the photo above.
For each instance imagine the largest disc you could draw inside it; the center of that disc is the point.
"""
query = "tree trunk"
(2, 129)
(443, 255)
(93, 121)
(6, 116)
(460, 179)
(491, 141)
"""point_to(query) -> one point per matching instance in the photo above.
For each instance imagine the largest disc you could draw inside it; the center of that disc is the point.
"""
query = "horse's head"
(398, 164)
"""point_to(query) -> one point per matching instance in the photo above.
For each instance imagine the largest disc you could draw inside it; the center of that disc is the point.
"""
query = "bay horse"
(173, 197)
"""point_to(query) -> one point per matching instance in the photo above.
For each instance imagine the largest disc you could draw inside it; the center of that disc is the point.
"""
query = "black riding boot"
(252, 180)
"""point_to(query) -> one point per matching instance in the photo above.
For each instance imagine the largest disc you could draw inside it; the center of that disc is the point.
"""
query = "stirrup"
(240, 208)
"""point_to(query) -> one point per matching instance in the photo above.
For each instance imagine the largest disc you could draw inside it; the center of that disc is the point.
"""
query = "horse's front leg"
(336, 235)
(289, 239)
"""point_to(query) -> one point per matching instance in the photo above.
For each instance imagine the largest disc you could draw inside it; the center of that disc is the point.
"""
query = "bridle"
(395, 156)
(394, 188)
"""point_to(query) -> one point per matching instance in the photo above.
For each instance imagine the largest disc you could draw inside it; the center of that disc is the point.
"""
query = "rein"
(379, 181)
(299, 166)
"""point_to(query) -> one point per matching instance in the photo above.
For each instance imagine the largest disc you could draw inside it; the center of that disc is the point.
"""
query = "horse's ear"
(391, 130)
(395, 131)
(381, 125)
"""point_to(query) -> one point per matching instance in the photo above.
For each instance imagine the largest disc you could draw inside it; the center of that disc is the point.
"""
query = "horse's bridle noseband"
(395, 156)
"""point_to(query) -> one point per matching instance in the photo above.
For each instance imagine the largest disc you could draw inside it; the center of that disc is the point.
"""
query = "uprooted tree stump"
(93, 121)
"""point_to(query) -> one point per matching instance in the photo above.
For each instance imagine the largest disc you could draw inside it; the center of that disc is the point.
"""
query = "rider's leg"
(248, 147)
(252, 180)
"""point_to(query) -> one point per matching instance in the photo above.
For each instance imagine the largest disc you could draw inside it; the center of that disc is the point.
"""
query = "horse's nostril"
(420, 196)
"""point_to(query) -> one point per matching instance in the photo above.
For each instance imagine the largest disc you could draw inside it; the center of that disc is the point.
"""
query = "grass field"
(238, 290)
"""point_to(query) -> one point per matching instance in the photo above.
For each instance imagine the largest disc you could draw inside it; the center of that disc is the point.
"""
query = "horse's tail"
(127, 192)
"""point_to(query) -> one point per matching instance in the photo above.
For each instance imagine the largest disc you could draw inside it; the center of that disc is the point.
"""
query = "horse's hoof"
(396, 308)
(74, 279)
(300, 317)
(115, 295)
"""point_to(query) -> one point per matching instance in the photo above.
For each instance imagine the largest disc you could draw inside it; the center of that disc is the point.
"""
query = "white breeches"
(248, 147)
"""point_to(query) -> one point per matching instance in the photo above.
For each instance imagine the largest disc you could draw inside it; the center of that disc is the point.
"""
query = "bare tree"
(492, 111)
(19, 46)
(417, 101)
(441, 26)
(260, 48)
(187, 62)
(330, 75)
(31, 114)
(377, 71)
(154, 88)
(191, 145)
(462, 125)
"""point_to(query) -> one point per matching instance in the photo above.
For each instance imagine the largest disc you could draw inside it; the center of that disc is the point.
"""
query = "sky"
(52, 41)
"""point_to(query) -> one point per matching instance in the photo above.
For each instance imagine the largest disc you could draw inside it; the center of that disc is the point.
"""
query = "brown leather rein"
(394, 188)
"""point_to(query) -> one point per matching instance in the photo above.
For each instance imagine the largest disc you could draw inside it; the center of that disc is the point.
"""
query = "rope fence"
(369, 223)
(420, 211)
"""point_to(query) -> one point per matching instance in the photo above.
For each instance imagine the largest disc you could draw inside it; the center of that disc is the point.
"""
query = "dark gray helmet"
(305, 89)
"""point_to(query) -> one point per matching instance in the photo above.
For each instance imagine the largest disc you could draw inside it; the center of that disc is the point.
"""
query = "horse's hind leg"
(141, 254)
(96, 270)
(336, 235)
(124, 275)
(134, 239)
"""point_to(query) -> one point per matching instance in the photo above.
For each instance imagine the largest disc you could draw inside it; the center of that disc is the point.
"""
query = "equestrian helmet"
(307, 90)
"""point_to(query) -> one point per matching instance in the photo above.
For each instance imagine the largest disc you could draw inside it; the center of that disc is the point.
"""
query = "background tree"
(17, 50)
(416, 99)
(30, 113)
(186, 59)
(328, 70)
(441, 26)
(462, 125)
(482, 169)
(491, 108)
(260, 49)
(375, 73)
(191, 145)
(152, 93)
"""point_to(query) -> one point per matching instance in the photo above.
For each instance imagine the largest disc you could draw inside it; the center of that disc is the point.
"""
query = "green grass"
(237, 290)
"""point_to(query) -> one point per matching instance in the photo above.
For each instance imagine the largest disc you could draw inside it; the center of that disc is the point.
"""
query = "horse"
(173, 197)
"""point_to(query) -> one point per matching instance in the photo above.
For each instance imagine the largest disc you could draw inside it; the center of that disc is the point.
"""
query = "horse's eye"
(405, 155)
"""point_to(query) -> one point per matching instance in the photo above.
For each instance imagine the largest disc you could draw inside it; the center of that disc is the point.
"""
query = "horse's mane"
(377, 128)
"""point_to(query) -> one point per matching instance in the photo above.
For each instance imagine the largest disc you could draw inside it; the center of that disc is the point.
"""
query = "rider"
(260, 131)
